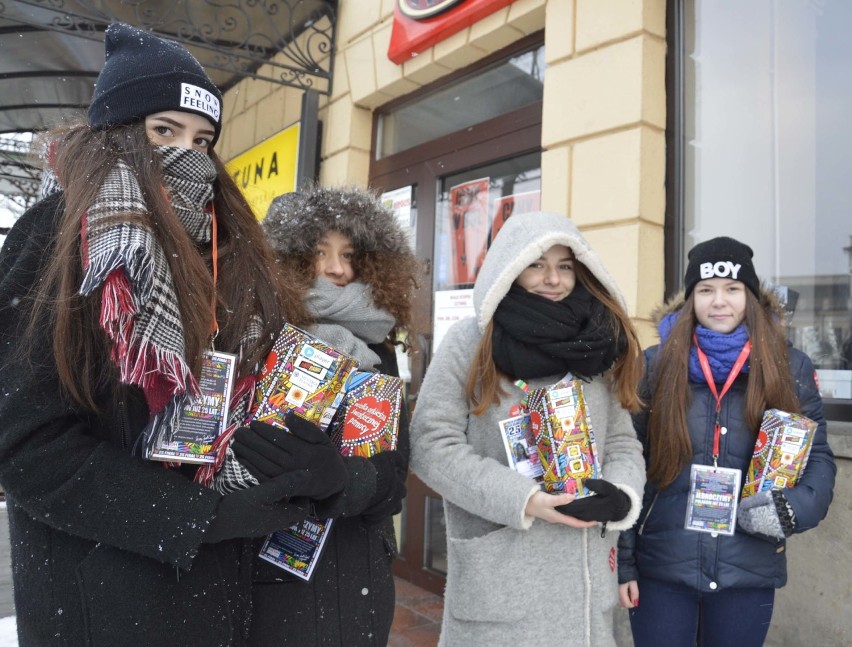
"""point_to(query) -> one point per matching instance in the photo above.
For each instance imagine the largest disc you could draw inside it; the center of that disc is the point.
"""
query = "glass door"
(464, 179)
(455, 224)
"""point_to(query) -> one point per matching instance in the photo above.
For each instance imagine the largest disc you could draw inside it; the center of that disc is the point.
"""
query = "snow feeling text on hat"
(198, 99)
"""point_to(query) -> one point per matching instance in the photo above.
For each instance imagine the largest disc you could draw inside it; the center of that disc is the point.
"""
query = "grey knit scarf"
(348, 320)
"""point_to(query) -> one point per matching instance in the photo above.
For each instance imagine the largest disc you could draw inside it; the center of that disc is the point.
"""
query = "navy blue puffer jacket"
(659, 547)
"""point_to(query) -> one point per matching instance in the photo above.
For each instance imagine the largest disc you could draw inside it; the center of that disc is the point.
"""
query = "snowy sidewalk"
(8, 632)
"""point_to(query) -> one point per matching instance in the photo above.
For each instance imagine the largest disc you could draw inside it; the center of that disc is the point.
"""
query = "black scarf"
(536, 337)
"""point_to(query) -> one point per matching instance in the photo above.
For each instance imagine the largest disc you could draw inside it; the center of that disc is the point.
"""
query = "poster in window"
(469, 224)
(505, 207)
(509, 204)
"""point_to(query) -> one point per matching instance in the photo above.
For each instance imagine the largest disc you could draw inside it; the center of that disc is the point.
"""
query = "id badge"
(203, 418)
(712, 504)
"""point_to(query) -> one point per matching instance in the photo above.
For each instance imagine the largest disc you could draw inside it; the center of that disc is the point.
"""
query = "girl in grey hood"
(526, 567)
(351, 262)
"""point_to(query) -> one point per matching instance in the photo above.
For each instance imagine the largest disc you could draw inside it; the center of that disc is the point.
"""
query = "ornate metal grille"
(290, 42)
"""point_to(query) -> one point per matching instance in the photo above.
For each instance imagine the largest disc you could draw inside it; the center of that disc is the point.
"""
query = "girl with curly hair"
(352, 264)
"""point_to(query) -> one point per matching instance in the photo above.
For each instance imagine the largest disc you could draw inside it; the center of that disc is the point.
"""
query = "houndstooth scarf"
(139, 307)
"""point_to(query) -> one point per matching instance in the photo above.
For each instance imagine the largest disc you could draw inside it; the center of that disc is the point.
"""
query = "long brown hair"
(769, 385)
(249, 282)
(484, 388)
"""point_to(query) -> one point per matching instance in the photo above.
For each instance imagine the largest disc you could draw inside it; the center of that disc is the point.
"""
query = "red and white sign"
(419, 25)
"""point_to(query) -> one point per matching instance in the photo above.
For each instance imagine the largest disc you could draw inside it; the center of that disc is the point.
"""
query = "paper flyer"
(297, 549)
(520, 446)
(712, 502)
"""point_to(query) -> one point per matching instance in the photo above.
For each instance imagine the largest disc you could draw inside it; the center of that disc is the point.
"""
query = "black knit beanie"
(724, 258)
(144, 74)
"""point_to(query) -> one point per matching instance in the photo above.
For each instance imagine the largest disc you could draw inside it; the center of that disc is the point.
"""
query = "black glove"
(390, 486)
(608, 504)
(259, 510)
(268, 451)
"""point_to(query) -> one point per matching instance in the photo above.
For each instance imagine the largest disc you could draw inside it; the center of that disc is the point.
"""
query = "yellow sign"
(267, 170)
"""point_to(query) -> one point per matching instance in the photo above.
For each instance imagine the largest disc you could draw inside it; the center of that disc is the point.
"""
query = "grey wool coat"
(511, 579)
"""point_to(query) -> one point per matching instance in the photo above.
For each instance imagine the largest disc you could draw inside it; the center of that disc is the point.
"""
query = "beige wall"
(603, 161)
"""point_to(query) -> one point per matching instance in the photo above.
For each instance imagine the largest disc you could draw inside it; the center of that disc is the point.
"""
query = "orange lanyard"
(708, 376)
(215, 330)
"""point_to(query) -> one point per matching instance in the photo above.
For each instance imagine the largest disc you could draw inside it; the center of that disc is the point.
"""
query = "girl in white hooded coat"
(526, 567)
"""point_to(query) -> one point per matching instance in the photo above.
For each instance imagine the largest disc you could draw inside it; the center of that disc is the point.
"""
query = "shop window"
(761, 122)
(490, 92)
(471, 208)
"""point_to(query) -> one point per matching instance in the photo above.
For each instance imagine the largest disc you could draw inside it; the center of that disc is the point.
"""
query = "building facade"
(654, 125)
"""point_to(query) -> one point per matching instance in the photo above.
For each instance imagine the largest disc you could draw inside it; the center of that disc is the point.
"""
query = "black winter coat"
(106, 548)
(350, 599)
(658, 546)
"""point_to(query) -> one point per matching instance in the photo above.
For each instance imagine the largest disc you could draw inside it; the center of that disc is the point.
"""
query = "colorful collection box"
(780, 453)
(359, 410)
(304, 375)
(564, 438)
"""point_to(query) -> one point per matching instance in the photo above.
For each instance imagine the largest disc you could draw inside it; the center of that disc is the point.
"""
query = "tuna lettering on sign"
(722, 269)
(248, 175)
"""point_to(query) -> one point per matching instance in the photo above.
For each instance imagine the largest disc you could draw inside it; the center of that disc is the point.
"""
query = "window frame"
(677, 13)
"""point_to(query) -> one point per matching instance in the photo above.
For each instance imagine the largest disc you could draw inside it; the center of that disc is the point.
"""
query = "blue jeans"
(678, 616)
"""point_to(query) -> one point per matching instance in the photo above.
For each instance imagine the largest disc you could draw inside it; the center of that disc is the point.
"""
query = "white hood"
(521, 240)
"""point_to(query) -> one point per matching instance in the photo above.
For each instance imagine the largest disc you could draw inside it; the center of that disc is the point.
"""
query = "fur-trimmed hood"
(523, 239)
(297, 221)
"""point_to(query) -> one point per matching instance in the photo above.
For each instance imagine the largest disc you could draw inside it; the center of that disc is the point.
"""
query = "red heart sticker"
(535, 423)
(271, 361)
(365, 419)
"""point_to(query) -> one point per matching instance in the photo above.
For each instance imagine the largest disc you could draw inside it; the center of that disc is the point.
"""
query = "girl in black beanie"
(141, 257)
(722, 361)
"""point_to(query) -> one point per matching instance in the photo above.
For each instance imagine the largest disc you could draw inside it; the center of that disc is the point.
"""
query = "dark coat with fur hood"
(350, 599)
(658, 546)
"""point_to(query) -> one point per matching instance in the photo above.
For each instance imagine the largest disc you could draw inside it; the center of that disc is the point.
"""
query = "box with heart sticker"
(368, 420)
(562, 428)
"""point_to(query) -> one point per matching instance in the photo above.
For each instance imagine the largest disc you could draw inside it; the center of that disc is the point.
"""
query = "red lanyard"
(708, 376)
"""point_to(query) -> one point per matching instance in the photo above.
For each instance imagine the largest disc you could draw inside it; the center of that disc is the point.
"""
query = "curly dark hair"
(296, 222)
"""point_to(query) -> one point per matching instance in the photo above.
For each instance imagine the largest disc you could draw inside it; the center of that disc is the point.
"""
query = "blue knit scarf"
(722, 349)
